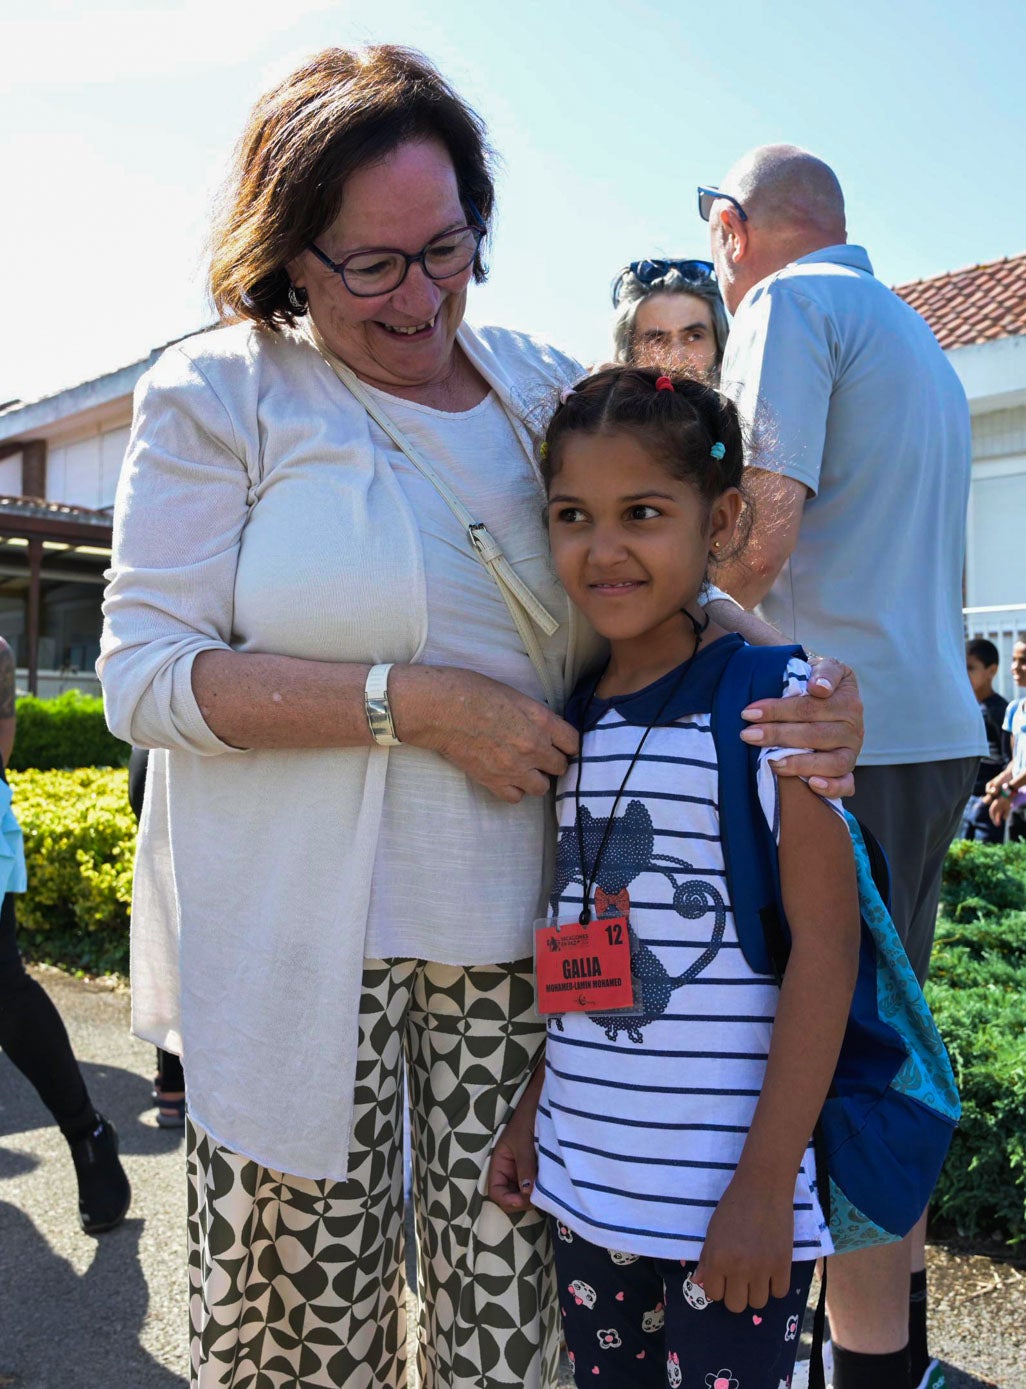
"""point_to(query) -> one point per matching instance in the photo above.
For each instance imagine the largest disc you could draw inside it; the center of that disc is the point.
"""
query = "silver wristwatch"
(376, 706)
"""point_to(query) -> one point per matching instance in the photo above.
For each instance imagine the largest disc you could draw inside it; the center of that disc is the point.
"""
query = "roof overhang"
(993, 374)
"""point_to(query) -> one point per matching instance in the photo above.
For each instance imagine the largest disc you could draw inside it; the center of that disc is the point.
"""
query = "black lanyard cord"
(587, 879)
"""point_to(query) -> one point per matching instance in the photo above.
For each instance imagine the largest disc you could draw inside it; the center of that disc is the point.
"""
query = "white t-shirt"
(854, 398)
(428, 802)
(643, 1118)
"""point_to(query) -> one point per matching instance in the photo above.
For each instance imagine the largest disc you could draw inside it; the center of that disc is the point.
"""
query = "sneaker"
(933, 1378)
(104, 1193)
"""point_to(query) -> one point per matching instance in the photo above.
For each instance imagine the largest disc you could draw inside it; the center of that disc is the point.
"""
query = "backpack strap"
(749, 850)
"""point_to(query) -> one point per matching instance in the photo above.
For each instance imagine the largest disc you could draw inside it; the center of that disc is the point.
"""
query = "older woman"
(331, 605)
(669, 314)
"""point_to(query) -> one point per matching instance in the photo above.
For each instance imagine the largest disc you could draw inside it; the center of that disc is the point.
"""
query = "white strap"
(524, 607)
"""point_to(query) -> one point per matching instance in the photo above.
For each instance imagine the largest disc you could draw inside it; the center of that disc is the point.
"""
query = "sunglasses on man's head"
(706, 198)
(648, 271)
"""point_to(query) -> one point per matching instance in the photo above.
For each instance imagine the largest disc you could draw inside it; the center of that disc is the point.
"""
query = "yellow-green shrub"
(79, 846)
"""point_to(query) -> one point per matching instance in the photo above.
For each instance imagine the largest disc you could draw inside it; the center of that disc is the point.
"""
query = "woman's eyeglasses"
(380, 271)
(646, 272)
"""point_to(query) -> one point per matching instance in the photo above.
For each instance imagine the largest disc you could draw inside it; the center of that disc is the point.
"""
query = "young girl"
(677, 1133)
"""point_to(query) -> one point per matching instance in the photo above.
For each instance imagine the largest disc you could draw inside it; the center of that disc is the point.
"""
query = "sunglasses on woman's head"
(647, 271)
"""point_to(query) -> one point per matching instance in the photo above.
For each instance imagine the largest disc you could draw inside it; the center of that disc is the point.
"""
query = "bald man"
(860, 477)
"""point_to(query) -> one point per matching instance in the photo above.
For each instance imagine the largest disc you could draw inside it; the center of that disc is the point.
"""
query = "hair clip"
(718, 450)
(565, 394)
(544, 450)
(664, 383)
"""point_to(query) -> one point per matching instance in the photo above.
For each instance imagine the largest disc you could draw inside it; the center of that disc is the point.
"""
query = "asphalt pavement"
(110, 1313)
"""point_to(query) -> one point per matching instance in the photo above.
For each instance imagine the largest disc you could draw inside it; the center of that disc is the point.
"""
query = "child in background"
(1005, 794)
(981, 663)
(673, 1142)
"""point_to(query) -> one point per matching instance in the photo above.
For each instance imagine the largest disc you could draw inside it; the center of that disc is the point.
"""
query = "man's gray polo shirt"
(853, 397)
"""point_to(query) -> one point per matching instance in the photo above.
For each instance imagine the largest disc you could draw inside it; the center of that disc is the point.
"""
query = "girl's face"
(1019, 663)
(630, 542)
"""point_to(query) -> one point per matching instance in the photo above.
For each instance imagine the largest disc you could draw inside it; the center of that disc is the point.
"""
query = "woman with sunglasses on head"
(350, 652)
(669, 315)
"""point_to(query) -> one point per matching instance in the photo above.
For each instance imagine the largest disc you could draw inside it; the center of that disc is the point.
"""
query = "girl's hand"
(748, 1250)
(514, 1162)
(828, 718)
(502, 739)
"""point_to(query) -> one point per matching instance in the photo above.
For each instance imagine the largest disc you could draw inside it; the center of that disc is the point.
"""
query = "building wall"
(84, 471)
(996, 546)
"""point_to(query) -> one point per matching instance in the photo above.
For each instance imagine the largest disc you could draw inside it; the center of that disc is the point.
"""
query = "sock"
(919, 1356)
(853, 1370)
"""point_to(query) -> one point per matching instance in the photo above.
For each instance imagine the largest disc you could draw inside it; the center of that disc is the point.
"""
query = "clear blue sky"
(119, 119)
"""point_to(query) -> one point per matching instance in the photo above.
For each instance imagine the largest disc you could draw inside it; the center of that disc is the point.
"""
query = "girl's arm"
(514, 1163)
(748, 1249)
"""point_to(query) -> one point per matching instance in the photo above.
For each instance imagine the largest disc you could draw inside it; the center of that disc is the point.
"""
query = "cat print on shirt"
(627, 853)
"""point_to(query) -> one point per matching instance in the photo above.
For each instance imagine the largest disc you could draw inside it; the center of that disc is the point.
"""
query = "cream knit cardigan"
(253, 872)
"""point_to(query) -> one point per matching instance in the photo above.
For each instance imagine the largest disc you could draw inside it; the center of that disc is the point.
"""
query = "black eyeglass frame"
(478, 229)
(655, 267)
(712, 194)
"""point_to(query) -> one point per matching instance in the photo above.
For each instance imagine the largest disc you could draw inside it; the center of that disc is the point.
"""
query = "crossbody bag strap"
(524, 607)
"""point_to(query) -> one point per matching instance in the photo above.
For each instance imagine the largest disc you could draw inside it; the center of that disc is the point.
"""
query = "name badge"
(583, 969)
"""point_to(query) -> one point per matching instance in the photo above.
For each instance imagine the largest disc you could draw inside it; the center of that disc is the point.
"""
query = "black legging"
(33, 1035)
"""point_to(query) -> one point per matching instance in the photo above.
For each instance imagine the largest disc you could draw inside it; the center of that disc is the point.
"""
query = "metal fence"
(1002, 626)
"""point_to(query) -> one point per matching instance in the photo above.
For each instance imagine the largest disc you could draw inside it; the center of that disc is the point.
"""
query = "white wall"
(10, 476)
(84, 472)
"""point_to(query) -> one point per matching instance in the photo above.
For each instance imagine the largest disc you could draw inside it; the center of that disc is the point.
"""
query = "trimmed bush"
(69, 731)
(977, 990)
(79, 845)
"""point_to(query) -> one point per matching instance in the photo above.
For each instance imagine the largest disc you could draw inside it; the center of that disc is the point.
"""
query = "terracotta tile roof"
(978, 304)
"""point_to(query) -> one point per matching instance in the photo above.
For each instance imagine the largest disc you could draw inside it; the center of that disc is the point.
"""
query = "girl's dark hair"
(343, 109)
(681, 427)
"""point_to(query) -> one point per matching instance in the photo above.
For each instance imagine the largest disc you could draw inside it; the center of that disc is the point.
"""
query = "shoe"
(933, 1378)
(104, 1193)
(170, 1113)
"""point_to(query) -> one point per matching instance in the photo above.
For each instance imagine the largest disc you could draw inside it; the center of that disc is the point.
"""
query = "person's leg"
(612, 1313)
(169, 1090)
(709, 1347)
(487, 1315)
(302, 1282)
(36, 1040)
(914, 811)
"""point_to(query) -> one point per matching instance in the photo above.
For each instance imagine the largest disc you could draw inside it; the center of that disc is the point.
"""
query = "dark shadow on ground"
(122, 1095)
(100, 1314)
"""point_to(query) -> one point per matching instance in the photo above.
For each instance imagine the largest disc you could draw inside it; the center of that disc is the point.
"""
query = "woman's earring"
(298, 299)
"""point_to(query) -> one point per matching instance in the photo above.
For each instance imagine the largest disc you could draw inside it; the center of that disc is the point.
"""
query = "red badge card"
(583, 969)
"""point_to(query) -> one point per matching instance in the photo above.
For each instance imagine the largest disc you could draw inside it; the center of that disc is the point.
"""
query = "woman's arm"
(748, 1250)
(828, 719)
(504, 740)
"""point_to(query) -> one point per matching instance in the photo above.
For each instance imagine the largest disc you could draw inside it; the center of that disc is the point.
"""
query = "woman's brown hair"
(342, 110)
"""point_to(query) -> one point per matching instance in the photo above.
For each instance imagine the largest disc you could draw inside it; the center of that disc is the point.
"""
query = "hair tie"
(718, 450)
(544, 451)
(565, 394)
(664, 383)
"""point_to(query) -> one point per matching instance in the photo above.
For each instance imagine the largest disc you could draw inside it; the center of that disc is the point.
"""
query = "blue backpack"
(893, 1105)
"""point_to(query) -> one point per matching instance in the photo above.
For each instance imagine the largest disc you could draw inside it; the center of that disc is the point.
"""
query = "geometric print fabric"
(300, 1284)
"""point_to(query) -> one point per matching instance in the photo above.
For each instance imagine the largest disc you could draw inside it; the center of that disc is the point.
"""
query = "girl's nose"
(607, 546)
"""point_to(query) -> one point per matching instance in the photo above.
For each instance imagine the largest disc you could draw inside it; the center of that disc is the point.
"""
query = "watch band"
(377, 708)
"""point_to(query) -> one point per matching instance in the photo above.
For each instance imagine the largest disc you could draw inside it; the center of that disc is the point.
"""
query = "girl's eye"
(643, 513)
(568, 514)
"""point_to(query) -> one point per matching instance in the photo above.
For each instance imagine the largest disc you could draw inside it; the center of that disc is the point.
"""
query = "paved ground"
(110, 1313)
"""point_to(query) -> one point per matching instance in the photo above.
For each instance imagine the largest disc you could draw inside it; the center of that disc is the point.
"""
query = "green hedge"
(977, 990)
(79, 846)
(69, 731)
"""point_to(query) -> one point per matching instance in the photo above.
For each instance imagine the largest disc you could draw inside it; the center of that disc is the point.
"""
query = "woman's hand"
(514, 1163)
(746, 1258)
(504, 740)
(828, 718)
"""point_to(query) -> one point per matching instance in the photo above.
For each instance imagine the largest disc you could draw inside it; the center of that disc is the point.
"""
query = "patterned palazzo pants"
(298, 1284)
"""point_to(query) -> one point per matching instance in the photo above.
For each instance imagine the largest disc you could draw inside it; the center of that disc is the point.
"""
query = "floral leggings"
(633, 1322)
